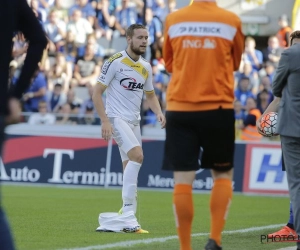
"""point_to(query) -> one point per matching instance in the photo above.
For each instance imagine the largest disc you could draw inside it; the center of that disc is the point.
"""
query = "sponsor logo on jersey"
(191, 44)
(137, 67)
(144, 71)
(209, 44)
(199, 43)
(106, 65)
(200, 29)
(131, 84)
(121, 70)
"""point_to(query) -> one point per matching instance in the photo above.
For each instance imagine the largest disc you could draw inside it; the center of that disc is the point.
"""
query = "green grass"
(46, 218)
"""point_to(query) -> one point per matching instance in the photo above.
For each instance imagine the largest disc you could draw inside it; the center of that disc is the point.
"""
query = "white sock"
(129, 188)
(135, 202)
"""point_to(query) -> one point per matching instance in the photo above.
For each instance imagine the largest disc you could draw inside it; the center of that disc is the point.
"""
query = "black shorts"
(202, 139)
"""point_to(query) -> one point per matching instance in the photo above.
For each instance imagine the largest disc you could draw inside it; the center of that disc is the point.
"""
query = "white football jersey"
(125, 80)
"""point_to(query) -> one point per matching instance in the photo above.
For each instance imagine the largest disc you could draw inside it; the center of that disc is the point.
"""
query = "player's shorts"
(126, 135)
(202, 139)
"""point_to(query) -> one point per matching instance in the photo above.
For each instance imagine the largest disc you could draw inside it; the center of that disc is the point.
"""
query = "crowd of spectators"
(80, 40)
(253, 91)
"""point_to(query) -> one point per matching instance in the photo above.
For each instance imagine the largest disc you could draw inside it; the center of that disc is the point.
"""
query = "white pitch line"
(287, 248)
(164, 239)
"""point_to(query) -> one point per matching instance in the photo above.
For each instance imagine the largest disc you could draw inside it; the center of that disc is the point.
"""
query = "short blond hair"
(132, 27)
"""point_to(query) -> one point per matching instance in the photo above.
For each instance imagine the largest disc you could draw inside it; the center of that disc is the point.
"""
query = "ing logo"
(199, 44)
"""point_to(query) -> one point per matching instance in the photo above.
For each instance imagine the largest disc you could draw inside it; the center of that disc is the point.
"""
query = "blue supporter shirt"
(154, 27)
(113, 4)
(87, 10)
(127, 17)
(161, 13)
(243, 96)
(152, 4)
(39, 82)
(259, 56)
(240, 116)
(158, 78)
(150, 118)
(101, 20)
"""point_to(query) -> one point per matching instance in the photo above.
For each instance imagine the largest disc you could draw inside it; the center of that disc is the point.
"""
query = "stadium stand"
(75, 26)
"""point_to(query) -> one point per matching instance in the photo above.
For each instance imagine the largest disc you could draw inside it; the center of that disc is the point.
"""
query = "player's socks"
(220, 200)
(184, 213)
(135, 203)
(129, 189)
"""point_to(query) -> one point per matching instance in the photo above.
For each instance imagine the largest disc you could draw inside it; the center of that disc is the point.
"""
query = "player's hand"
(14, 111)
(259, 129)
(107, 130)
(161, 118)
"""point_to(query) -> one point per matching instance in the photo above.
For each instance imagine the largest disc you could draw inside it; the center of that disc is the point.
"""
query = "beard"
(136, 50)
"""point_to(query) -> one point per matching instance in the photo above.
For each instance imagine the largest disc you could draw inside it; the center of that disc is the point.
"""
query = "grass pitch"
(51, 218)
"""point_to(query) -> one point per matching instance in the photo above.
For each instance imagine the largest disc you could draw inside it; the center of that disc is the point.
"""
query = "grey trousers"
(291, 155)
